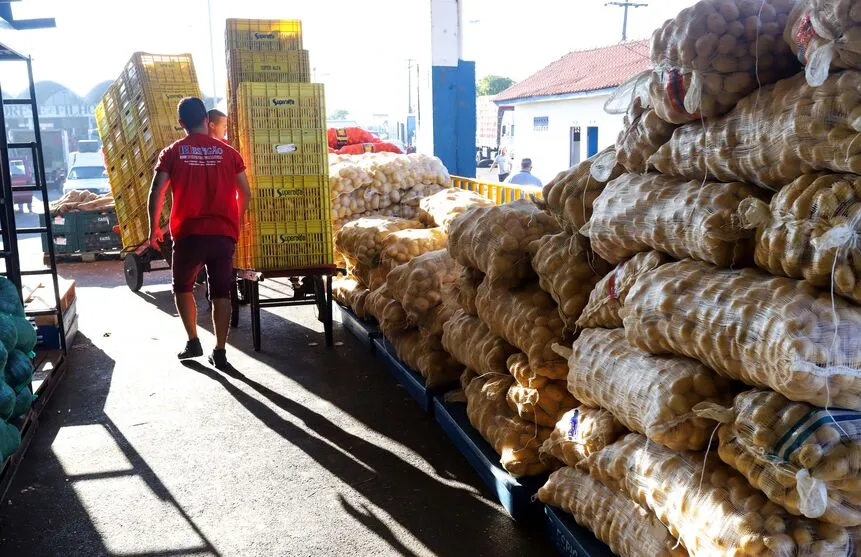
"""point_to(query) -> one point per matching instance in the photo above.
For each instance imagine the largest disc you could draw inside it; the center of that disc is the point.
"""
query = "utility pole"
(410, 86)
(626, 4)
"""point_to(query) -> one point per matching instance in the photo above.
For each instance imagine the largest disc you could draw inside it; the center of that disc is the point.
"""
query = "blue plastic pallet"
(365, 332)
(570, 539)
(412, 381)
(517, 495)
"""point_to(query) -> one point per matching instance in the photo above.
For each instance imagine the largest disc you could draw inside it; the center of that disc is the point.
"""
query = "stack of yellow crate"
(278, 122)
(136, 119)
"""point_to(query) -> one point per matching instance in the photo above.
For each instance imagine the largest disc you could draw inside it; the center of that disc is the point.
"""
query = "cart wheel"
(133, 268)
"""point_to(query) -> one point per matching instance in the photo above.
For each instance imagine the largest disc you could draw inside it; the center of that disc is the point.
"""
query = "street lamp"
(625, 5)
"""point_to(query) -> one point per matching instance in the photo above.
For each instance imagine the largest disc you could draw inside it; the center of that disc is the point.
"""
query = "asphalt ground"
(304, 451)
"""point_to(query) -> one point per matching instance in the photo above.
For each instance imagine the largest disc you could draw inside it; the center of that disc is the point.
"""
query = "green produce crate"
(102, 241)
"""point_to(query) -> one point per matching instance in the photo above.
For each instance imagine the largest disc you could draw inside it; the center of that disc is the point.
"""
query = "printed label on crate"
(103, 218)
(105, 239)
(173, 97)
(290, 238)
(266, 37)
(59, 220)
(280, 101)
(60, 240)
(289, 193)
(285, 149)
(268, 67)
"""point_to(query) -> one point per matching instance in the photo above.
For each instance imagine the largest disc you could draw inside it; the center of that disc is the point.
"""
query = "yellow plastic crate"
(160, 102)
(284, 152)
(263, 34)
(290, 66)
(134, 223)
(281, 246)
(155, 137)
(158, 69)
(277, 106)
(290, 198)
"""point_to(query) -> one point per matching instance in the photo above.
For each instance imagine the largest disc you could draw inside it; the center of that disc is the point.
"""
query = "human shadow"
(404, 491)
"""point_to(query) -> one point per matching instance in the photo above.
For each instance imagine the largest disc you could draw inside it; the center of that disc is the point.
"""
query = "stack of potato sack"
(382, 184)
(727, 339)
(522, 284)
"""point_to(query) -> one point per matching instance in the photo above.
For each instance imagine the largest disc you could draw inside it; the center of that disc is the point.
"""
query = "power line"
(626, 5)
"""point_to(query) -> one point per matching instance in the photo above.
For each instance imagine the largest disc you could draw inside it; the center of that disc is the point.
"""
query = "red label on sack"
(676, 91)
(611, 286)
(803, 35)
(368, 147)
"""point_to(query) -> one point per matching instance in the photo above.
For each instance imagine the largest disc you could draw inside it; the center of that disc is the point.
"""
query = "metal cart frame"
(248, 291)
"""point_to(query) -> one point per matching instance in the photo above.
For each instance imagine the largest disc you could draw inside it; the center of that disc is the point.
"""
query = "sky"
(358, 48)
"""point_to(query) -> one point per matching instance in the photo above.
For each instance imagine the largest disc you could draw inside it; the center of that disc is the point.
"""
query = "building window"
(540, 123)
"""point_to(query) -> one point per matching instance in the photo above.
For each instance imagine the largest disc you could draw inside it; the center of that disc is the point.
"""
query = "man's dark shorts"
(193, 252)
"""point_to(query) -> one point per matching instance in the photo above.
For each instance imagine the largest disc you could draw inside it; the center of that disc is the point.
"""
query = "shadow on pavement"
(382, 477)
(44, 514)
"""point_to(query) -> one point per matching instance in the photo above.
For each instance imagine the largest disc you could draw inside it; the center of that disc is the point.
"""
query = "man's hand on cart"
(156, 237)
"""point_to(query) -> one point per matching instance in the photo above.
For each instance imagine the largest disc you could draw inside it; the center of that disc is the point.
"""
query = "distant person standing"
(217, 124)
(525, 177)
(503, 163)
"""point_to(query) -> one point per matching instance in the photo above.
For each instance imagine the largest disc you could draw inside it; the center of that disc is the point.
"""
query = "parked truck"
(494, 129)
(55, 150)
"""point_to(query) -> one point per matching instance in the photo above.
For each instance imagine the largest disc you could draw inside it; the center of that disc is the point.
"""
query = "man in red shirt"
(210, 197)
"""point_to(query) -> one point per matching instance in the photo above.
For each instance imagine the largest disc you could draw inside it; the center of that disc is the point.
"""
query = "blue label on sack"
(574, 424)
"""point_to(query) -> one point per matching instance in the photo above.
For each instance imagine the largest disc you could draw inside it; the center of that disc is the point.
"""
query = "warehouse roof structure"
(582, 71)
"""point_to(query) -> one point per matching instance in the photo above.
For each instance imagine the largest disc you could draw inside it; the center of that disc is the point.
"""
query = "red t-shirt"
(202, 174)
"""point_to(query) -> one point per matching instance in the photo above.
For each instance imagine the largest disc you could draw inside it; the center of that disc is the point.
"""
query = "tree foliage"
(339, 114)
(493, 84)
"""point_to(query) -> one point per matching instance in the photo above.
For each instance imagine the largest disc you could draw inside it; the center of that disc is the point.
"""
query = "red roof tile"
(584, 70)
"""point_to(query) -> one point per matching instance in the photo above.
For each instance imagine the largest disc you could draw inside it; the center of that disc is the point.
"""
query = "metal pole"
(625, 24)
(409, 87)
(212, 56)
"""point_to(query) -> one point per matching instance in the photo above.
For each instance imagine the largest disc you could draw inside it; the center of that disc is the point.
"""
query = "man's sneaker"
(218, 359)
(193, 349)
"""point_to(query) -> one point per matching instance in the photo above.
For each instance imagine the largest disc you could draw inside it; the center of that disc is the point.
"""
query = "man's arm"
(244, 191)
(493, 164)
(154, 205)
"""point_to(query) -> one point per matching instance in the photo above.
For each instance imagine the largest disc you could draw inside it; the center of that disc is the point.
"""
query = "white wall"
(549, 150)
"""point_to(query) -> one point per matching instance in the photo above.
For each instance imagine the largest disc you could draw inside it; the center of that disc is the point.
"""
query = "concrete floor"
(309, 451)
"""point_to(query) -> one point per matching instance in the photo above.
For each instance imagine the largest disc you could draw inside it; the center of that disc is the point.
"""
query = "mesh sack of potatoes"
(442, 208)
(465, 289)
(714, 53)
(362, 240)
(608, 296)
(779, 333)
(643, 131)
(345, 175)
(350, 293)
(515, 440)
(495, 239)
(401, 246)
(423, 353)
(641, 212)
(471, 343)
(528, 318)
(567, 270)
(810, 231)
(625, 526)
(708, 506)
(419, 284)
(569, 196)
(653, 395)
(773, 136)
(387, 311)
(805, 458)
(825, 34)
(541, 405)
(579, 433)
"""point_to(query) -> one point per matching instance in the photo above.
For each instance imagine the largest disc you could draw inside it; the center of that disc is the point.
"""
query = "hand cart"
(138, 260)
(248, 291)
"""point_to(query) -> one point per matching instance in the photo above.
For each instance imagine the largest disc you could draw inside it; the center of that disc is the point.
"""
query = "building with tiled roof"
(558, 117)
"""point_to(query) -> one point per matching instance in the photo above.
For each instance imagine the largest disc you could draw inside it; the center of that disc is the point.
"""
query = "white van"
(88, 173)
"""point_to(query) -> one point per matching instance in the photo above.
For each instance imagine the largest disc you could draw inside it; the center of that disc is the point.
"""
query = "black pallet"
(364, 331)
(412, 381)
(516, 495)
(570, 539)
